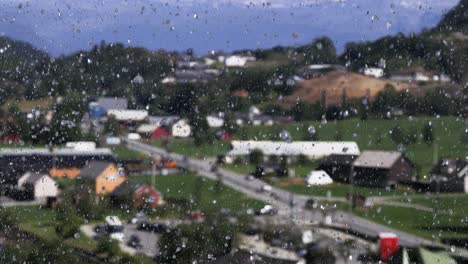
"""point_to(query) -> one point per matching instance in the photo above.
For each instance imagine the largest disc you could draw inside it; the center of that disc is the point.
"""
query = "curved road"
(282, 199)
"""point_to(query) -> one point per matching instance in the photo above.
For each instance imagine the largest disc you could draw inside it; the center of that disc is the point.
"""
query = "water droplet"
(389, 24)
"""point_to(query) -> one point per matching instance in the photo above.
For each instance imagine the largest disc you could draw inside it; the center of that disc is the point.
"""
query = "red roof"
(160, 133)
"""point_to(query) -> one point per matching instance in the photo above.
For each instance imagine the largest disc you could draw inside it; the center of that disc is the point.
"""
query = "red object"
(160, 133)
(388, 245)
(145, 196)
(10, 139)
(226, 136)
(197, 215)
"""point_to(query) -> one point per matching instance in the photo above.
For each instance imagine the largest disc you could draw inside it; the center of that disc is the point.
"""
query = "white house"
(128, 115)
(40, 185)
(373, 71)
(181, 128)
(214, 121)
(238, 61)
(169, 80)
(318, 177)
(311, 149)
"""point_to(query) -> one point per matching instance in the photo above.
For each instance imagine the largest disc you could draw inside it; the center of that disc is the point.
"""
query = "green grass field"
(375, 135)
(338, 190)
(207, 194)
(122, 152)
(41, 221)
(369, 134)
(425, 224)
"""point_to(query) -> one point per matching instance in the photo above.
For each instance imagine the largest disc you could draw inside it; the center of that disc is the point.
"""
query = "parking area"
(148, 240)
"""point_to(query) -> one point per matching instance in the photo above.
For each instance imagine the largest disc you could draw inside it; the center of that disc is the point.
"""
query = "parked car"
(114, 228)
(139, 217)
(267, 210)
(151, 227)
(135, 242)
(265, 188)
(249, 177)
(311, 204)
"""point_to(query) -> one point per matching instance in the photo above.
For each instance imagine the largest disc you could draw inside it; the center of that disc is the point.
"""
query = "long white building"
(311, 149)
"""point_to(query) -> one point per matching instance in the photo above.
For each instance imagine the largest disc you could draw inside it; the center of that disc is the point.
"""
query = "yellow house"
(104, 175)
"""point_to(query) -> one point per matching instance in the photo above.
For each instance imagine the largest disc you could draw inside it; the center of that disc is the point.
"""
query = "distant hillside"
(456, 20)
(333, 84)
(20, 50)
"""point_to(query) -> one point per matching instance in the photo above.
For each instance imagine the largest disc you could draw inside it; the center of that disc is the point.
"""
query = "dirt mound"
(332, 85)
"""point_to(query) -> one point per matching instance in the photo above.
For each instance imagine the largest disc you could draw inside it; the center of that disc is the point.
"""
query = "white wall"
(466, 184)
(45, 187)
(181, 129)
(311, 149)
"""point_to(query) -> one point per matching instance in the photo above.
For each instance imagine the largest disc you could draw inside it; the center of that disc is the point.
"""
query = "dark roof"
(124, 189)
(93, 169)
(34, 177)
(336, 159)
(113, 103)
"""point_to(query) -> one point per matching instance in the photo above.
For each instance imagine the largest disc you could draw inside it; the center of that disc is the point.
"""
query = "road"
(282, 198)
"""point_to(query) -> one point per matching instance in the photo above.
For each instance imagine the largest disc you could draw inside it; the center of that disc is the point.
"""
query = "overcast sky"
(65, 26)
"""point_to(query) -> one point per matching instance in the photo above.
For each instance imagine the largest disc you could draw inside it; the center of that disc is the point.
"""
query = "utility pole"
(351, 188)
(437, 177)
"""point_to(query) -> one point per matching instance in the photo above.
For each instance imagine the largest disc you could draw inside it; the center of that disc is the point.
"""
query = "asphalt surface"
(148, 240)
(282, 199)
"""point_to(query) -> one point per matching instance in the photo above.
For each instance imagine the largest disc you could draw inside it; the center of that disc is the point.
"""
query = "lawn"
(454, 203)
(370, 135)
(186, 146)
(206, 194)
(297, 185)
(123, 153)
(41, 221)
(375, 135)
(425, 224)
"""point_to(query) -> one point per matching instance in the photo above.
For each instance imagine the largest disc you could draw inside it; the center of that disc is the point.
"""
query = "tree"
(320, 51)
(318, 254)
(67, 118)
(112, 127)
(230, 124)
(427, 133)
(256, 156)
(200, 129)
(401, 136)
(397, 135)
(385, 99)
(188, 243)
(108, 246)
(283, 166)
(67, 222)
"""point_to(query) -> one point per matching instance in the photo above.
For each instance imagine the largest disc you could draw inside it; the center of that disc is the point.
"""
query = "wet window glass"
(261, 131)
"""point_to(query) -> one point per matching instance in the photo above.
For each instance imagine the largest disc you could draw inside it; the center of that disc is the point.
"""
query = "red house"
(160, 133)
(146, 196)
(140, 195)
